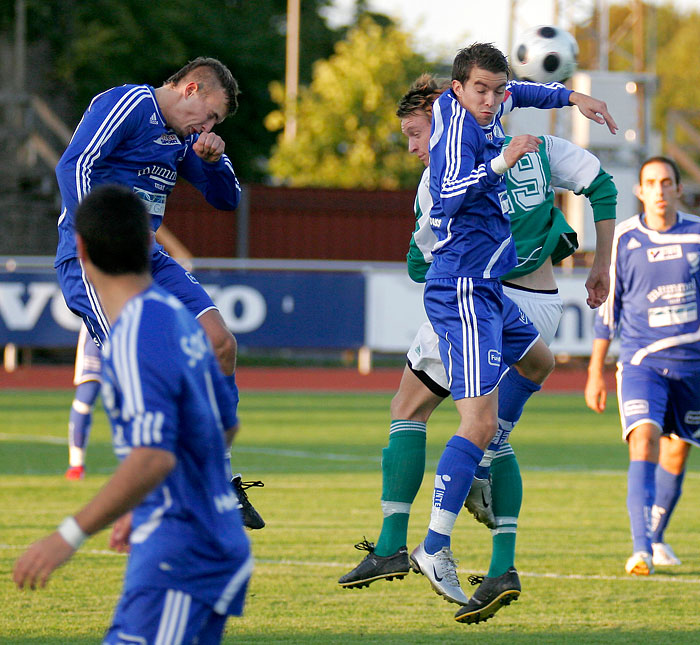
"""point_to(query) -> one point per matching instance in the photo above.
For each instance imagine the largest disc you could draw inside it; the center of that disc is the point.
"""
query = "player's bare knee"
(408, 408)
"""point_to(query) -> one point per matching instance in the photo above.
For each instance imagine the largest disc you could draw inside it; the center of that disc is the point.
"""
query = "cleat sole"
(489, 611)
(358, 584)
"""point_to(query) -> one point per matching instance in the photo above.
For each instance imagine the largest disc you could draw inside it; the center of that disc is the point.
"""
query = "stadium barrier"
(372, 306)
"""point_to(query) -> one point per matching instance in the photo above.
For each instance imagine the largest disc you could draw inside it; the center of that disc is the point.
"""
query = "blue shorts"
(481, 332)
(164, 617)
(670, 401)
(82, 300)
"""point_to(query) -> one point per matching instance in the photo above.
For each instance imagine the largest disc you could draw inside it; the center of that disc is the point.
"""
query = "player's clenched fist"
(209, 147)
(520, 146)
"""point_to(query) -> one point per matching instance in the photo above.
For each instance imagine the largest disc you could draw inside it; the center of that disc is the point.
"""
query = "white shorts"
(543, 309)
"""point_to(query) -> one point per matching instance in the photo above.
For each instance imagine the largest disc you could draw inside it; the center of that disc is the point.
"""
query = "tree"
(348, 134)
(99, 44)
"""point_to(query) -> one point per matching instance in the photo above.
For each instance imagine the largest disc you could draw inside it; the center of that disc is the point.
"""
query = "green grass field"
(319, 457)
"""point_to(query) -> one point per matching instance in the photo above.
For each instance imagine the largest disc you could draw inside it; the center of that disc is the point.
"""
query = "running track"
(288, 378)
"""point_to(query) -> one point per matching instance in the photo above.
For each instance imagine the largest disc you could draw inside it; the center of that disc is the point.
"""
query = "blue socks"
(668, 491)
(453, 479)
(640, 497)
(513, 393)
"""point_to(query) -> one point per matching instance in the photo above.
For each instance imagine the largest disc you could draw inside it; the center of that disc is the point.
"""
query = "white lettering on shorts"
(635, 406)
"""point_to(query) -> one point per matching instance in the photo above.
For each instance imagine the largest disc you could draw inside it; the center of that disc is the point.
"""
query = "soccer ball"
(544, 54)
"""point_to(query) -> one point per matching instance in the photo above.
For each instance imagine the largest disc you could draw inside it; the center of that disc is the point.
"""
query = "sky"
(441, 27)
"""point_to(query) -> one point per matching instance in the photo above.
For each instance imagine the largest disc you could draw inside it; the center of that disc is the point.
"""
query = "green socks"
(403, 466)
(507, 493)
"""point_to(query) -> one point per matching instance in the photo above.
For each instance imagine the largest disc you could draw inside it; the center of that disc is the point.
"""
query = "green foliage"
(348, 134)
(319, 455)
(104, 43)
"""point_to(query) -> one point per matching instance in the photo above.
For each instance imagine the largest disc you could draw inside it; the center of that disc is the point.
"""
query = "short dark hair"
(420, 97)
(482, 55)
(661, 159)
(208, 72)
(116, 230)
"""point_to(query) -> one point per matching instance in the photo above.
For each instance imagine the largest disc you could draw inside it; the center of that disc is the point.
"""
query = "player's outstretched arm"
(598, 282)
(593, 109)
(595, 392)
(136, 476)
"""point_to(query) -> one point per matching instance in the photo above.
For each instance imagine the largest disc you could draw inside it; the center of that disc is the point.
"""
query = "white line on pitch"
(340, 565)
(330, 456)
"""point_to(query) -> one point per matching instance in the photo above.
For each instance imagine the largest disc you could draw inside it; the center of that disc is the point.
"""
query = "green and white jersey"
(539, 229)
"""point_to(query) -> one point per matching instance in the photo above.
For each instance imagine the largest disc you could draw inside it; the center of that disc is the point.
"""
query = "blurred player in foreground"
(145, 138)
(86, 377)
(542, 236)
(169, 407)
(654, 306)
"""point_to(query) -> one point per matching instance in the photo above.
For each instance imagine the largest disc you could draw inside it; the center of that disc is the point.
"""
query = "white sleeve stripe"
(113, 120)
(125, 360)
(454, 143)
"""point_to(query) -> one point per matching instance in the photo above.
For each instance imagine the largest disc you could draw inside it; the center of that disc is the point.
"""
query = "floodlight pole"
(291, 83)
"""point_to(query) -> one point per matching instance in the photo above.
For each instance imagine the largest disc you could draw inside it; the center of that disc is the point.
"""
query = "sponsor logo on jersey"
(436, 222)
(494, 357)
(158, 172)
(167, 140)
(154, 202)
(634, 243)
(225, 503)
(154, 119)
(194, 346)
(663, 253)
(672, 315)
(692, 418)
(678, 291)
(635, 407)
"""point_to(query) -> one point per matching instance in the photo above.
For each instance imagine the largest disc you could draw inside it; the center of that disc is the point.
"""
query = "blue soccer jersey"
(163, 389)
(654, 294)
(470, 207)
(123, 139)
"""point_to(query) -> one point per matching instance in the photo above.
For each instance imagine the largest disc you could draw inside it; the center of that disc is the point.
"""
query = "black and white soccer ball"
(544, 54)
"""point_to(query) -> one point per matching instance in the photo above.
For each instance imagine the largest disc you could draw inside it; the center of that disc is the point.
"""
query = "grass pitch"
(319, 457)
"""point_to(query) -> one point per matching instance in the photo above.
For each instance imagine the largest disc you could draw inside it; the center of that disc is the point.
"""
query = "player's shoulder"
(129, 94)
(627, 226)
(690, 221)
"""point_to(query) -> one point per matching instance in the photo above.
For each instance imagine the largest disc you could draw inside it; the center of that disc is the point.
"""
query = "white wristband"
(499, 165)
(71, 532)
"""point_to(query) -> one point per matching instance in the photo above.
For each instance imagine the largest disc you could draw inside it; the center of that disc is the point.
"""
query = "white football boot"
(479, 502)
(663, 555)
(441, 571)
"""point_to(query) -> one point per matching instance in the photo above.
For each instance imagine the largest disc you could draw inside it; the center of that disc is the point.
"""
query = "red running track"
(290, 379)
